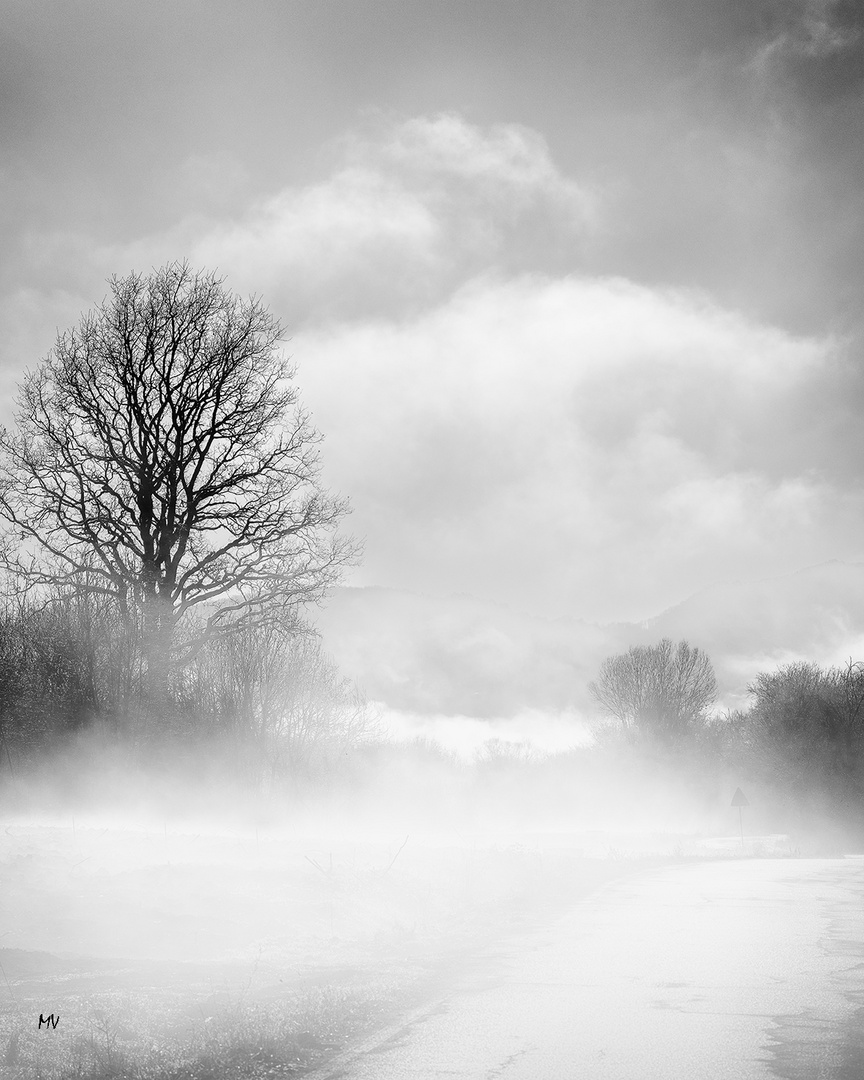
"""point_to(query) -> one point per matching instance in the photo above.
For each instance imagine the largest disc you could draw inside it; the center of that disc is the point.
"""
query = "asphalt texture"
(728, 970)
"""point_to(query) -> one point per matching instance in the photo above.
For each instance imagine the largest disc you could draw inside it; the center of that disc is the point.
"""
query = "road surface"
(731, 969)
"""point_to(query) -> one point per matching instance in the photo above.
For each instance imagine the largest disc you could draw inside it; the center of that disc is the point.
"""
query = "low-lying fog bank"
(183, 909)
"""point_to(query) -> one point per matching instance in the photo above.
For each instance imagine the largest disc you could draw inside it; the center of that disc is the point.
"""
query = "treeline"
(71, 663)
(805, 728)
(802, 734)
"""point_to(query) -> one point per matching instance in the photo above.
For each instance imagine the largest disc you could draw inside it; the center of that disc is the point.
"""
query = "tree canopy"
(807, 721)
(661, 690)
(161, 458)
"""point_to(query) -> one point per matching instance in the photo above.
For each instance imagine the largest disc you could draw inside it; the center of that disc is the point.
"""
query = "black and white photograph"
(432, 539)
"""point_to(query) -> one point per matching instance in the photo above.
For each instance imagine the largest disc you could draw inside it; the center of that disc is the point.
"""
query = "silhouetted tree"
(161, 460)
(806, 724)
(662, 691)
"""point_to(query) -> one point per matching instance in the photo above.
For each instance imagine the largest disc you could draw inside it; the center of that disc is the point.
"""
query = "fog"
(175, 896)
(119, 859)
(431, 579)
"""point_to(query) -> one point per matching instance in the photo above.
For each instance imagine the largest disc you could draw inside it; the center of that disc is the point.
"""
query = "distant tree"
(282, 694)
(661, 691)
(806, 723)
(161, 460)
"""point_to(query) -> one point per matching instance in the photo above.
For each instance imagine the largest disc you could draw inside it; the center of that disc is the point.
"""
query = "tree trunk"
(159, 623)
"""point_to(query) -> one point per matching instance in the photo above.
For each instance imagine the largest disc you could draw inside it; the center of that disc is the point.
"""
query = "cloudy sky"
(573, 288)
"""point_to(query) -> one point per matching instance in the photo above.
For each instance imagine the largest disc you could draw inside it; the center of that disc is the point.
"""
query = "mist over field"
(212, 900)
(430, 539)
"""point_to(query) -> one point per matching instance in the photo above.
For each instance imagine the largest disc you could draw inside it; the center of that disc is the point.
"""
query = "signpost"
(739, 799)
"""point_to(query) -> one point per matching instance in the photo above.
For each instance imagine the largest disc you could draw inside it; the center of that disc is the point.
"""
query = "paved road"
(737, 970)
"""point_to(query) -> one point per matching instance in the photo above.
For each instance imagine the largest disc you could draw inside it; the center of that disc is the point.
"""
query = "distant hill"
(458, 655)
(748, 626)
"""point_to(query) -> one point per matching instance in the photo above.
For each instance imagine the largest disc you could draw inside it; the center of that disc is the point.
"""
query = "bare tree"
(663, 690)
(282, 693)
(161, 459)
(806, 723)
(312, 713)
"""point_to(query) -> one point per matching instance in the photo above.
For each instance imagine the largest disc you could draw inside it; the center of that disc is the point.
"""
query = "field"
(169, 953)
(178, 927)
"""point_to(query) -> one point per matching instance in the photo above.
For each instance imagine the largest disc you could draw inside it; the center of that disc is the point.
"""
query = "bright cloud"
(506, 159)
(571, 444)
(428, 202)
(411, 211)
(406, 217)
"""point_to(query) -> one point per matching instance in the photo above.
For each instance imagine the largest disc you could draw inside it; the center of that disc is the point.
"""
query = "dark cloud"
(724, 133)
(819, 49)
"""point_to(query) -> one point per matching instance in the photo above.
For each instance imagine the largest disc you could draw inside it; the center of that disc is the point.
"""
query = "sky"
(573, 289)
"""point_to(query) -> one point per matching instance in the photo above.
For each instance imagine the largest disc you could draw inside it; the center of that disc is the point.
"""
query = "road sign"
(739, 799)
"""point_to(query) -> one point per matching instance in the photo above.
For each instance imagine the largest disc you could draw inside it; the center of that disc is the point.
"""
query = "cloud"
(30, 319)
(413, 208)
(507, 161)
(410, 211)
(818, 47)
(426, 202)
(575, 445)
(567, 442)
